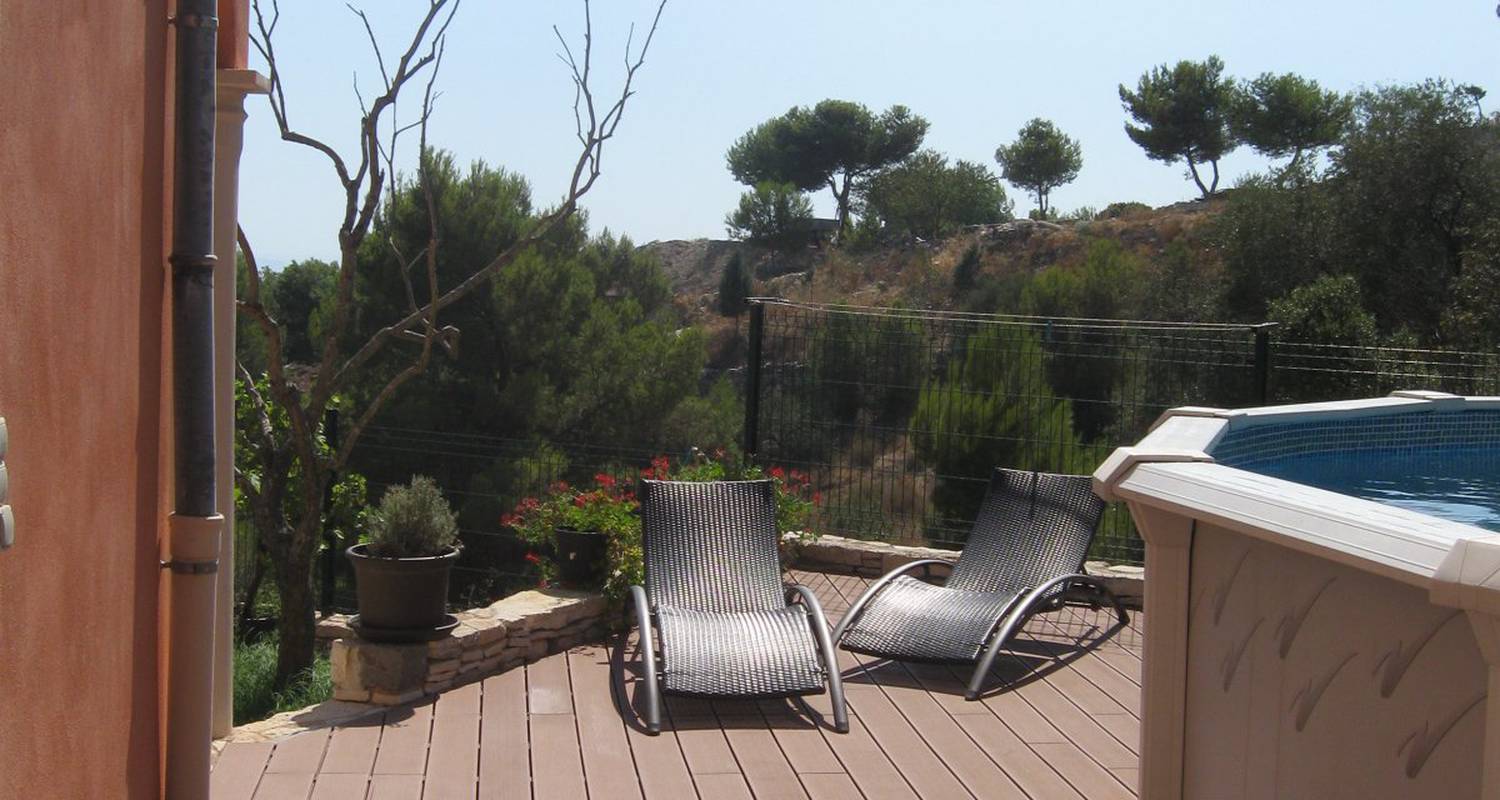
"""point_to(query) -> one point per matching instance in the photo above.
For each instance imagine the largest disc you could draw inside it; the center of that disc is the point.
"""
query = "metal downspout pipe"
(192, 547)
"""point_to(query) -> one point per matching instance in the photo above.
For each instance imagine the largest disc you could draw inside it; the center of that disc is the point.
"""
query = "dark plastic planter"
(580, 557)
(401, 599)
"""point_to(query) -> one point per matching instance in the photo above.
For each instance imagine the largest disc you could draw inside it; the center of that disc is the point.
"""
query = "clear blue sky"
(976, 69)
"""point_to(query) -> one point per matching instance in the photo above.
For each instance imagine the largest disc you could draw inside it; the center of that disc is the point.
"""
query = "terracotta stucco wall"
(82, 173)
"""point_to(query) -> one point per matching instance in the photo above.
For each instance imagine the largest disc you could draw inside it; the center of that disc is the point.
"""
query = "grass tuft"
(255, 695)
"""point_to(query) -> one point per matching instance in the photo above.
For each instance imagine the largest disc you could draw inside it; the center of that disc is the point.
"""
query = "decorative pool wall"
(1314, 631)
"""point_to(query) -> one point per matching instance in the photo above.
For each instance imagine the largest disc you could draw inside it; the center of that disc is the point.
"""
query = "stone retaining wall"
(873, 559)
(519, 629)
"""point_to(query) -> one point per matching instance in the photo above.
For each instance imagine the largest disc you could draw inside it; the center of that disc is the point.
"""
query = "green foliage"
(775, 214)
(1123, 210)
(1327, 311)
(1041, 159)
(1415, 180)
(925, 197)
(1473, 319)
(1274, 234)
(991, 408)
(1182, 114)
(255, 694)
(1105, 286)
(735, 287)
(413, 521)
(966, 271)
(835, 144)
(709, 422)
(1288, 115)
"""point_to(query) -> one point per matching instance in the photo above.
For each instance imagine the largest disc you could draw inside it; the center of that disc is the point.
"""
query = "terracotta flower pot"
(401, 599)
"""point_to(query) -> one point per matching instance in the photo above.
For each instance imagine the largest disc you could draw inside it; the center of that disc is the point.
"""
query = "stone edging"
(518, 629)
(873, 559)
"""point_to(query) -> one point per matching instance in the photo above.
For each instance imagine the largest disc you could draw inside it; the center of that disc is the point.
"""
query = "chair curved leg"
(1012, 620)
(648, 659)
(1022, 609)
(830, 661)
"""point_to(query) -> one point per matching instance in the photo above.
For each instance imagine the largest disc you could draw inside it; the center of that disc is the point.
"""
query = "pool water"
(1458, 484)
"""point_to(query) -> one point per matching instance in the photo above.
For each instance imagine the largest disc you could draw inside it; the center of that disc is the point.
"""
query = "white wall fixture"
(7, 518)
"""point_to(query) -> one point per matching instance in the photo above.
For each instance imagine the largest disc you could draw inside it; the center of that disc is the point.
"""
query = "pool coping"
(1172, 467)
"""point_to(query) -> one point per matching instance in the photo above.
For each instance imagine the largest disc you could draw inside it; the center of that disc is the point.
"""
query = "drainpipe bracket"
(194, 20)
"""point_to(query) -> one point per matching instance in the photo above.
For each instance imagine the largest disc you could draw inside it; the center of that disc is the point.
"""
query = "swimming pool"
(1445, 463)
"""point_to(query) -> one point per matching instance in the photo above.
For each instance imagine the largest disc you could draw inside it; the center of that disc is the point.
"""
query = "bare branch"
(374, 45)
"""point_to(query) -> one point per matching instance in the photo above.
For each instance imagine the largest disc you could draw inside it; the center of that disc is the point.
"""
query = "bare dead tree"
(288, 466)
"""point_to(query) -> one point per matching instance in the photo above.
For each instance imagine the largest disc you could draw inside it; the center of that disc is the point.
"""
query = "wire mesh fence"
(899, 415)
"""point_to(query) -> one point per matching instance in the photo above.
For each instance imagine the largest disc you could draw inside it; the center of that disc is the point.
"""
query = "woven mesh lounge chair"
(715, 601)
(1025, 555)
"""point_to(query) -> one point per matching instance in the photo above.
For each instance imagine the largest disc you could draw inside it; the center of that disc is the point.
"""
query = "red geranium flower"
(533, 558)
(777, 472)
(605, 480)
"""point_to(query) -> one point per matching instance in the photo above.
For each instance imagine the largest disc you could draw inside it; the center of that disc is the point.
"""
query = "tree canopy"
(925, 197)
(1040, 159)
(835, 144)
(1182, 114)
(1288, 115)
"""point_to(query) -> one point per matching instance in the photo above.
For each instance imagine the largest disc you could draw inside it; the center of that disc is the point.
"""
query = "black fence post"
(330, 557)
(1263, 362)
(752, 380)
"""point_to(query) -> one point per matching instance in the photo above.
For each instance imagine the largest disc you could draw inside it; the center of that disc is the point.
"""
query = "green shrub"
(966, 273)
(413, 521)
(1123, 210)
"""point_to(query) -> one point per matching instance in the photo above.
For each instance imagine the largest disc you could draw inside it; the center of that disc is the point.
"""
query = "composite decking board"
(547, 687)
(340, 786)
(762, 762)
(453, 756)
(352, 749)
(238, 770)
(1041, 727)
(921, 767)
(1083, 772)
(607, 758)
(395, 787)
(284, 786)
(830, 786)
(958, 751)
(801, 739)
(723, 786)
(1038, 779)
(504, 741)
(300, 754)
(556, 763)
(403, 741)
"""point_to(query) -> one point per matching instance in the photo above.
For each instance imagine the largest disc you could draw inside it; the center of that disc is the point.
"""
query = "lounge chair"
(1025, 555)
(714, 599)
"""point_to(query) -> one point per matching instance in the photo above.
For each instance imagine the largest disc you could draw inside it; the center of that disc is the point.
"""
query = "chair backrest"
(711, 546)
(1033, 526)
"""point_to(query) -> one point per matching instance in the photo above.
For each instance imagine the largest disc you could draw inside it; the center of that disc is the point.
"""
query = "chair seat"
(745, 653)
(917, 621)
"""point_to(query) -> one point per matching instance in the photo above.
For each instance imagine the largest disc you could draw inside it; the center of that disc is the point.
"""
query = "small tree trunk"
(294, 622)
(1193, 168)
(1214, 187)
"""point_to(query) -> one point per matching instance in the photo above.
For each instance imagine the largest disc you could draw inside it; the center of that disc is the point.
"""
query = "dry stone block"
(447, 647)
(470, 656)
(351, 695)
(360, 666)
(335, 626)
(439, 669)
(438, 686)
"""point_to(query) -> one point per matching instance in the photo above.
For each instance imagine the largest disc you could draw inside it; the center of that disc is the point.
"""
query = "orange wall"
(82, 174)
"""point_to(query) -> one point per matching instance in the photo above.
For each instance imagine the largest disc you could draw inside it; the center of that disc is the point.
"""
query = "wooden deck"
(1060, 720)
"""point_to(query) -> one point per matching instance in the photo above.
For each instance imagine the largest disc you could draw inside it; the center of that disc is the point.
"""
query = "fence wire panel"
(1308, 371)
(900, 415)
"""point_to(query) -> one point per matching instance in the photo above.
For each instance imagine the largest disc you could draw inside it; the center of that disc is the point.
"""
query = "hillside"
(920, 274)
